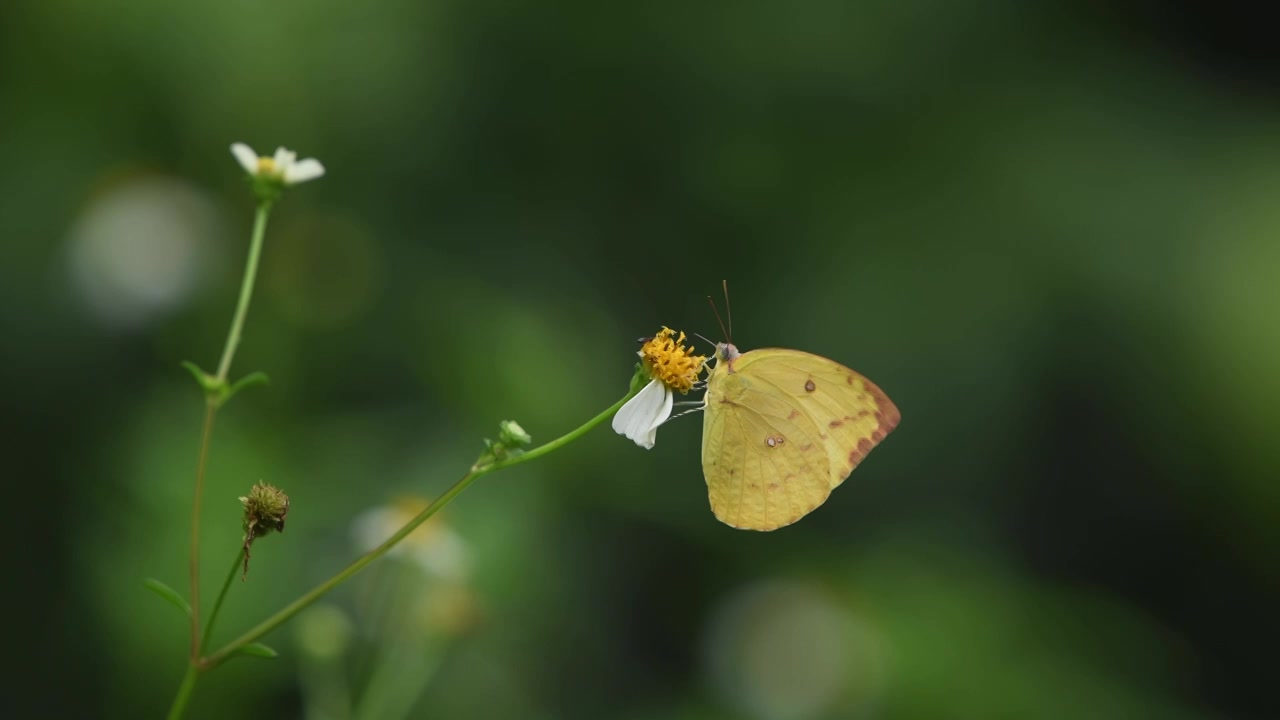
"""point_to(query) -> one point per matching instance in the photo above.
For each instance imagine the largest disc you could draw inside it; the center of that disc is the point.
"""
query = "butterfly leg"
(700, 408)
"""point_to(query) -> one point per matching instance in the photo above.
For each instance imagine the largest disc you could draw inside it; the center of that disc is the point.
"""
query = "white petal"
(625, 418)
(654, 393)
(247, 158)
(302, 171)
(283, 158)
(635, 419)
(664, 412)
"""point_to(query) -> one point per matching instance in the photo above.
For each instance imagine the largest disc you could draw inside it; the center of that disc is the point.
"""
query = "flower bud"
(510, 443)
(511, 435)
(265, 508)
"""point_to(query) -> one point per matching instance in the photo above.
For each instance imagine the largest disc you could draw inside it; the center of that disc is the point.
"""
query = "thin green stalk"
(398, 670)
(403, 671)
(212, 402)
(193, 563)
(222, 595)
(246, 289)
(184, 691)
(325, 690)
(320, 590)
(563, 439)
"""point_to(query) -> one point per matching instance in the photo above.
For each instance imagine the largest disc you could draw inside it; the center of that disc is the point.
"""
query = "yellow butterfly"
(783, 428)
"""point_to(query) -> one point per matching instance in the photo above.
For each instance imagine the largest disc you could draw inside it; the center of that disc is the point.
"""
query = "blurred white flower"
(782, 650)
(433, 546)
(136, 249)
(283, 166)
(444, 601)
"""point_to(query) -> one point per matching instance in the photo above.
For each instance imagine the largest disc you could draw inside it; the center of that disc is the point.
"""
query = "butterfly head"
(726, 352)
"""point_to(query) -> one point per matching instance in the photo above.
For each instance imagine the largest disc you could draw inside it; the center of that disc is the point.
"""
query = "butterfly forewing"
(852, 413)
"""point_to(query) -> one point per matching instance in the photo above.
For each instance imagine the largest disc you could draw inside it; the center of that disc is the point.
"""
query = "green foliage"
(220, 391)
(258, 649)
(169, 594)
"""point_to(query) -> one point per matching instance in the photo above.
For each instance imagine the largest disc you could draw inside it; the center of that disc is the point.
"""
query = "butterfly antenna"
(704, 339)
(728, 310)
(717, 314)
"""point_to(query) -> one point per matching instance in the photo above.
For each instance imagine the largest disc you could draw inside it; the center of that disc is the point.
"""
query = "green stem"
(184, 692)
(319, 591)
(563, 439)
(193, 561)
(246, 289)
(222, 595)
(399, 669)
(212, 402)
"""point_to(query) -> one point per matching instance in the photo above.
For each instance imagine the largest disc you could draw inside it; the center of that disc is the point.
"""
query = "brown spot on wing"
(809, 386)
(886, 412)
(856, 454)
(848, 379)
(793, 414)
(835, 423)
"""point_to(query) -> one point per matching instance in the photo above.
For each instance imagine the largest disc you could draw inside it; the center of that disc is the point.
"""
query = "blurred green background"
(1047, 230)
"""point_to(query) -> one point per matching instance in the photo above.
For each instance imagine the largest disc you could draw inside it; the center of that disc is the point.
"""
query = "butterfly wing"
(783, 428)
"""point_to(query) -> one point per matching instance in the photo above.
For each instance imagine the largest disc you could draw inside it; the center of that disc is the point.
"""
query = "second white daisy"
(284, 166)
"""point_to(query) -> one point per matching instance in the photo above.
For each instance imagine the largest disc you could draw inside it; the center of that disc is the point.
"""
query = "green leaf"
(253, 378)
(201, 376)
(167, 593)
(258, 650)
(210, 384)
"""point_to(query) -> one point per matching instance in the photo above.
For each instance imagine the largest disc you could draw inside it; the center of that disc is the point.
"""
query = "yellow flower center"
(267, 166)
(669, 361)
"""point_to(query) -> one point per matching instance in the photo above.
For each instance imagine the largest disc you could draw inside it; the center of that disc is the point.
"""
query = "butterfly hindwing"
(783, 429)
(764, 467)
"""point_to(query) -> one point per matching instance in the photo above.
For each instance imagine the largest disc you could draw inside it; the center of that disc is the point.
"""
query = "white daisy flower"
(672, 367)
(284, 166)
